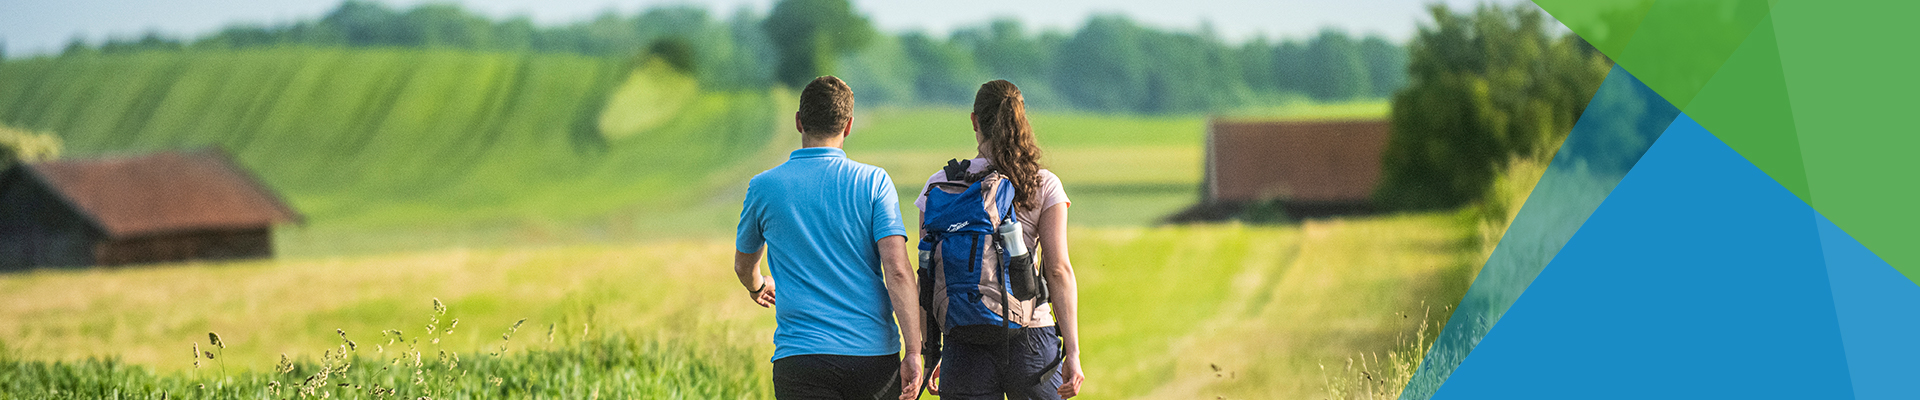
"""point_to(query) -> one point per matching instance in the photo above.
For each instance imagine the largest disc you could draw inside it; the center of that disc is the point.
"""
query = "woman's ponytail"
(1002, 114)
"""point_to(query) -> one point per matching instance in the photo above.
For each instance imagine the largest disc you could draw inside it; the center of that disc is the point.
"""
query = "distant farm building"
(170, 206)
(1309, 167)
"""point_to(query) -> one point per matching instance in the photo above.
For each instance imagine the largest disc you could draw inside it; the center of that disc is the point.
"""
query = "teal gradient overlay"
(1879, 314)
(1699, 277)
(1624, 118)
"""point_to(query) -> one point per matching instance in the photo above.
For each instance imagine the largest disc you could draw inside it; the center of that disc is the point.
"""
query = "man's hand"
(1071, 377)
(910, 370)
(765, 296)
(903, 289)
(746, 266)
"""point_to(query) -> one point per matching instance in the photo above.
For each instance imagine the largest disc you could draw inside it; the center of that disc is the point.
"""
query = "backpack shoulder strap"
(956, 170)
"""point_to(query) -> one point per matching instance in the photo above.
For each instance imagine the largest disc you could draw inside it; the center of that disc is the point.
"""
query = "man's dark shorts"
(820, 376)
(973, 371)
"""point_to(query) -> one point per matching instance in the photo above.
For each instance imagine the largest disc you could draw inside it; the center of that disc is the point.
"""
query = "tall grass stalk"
(1373, 376)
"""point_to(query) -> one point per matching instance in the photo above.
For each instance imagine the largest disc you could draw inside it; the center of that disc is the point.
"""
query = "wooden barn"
(169, 206)
(1310, 167)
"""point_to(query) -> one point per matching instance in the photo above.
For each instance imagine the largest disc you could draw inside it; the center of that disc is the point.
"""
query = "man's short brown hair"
(825, 107)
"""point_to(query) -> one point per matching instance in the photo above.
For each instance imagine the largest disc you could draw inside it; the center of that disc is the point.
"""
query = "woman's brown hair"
(1001, 114)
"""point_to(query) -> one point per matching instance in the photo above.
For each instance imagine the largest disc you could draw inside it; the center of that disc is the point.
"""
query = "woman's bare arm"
(1064, 293)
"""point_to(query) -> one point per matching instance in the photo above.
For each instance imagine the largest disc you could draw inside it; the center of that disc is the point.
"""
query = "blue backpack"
(973, 289)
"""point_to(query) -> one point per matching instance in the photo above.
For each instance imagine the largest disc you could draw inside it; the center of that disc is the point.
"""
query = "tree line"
(1111, 63)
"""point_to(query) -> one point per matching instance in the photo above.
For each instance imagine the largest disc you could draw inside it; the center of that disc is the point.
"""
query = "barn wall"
(1331, 163)
(182, 246)
(37, 229)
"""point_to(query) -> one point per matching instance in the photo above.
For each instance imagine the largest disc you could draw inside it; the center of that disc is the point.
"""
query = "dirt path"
(1334, 295)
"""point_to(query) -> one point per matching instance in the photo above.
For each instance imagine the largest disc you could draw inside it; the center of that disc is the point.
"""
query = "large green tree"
(809, 35)
(1484, 88)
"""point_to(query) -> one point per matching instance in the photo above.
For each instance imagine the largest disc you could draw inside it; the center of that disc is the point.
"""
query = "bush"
(19, 145)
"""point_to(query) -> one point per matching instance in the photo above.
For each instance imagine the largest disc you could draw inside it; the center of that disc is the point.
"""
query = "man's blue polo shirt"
(820, 214)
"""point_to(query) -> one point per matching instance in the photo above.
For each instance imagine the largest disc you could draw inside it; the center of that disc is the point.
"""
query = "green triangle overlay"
(1832, 122)
(1849, 69)
(1745, 105)
(1682, 43)
(1606, 24)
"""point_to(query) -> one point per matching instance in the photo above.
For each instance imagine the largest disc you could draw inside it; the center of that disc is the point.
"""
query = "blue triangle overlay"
(1879, 312)
(1623, 119)
(1699, 277)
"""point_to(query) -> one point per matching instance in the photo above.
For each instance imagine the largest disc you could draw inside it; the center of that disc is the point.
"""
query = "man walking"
(831, 230)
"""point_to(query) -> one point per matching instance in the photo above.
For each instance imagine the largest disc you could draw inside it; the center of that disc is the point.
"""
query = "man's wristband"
(763, 286)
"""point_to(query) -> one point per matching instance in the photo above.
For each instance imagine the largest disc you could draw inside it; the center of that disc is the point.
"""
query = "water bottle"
(1022, 277)
(1010, 237)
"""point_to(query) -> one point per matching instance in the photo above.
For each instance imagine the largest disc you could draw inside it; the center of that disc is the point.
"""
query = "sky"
(44, 26)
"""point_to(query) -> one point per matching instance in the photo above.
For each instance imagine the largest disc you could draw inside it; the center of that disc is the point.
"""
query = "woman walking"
(1041, 359)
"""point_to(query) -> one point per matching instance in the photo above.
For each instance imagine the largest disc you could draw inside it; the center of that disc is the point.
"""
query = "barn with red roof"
(159, 207)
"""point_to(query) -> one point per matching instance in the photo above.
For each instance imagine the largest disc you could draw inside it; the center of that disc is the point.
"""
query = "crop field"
(405, 149)
(1162, 307)
(596, 201)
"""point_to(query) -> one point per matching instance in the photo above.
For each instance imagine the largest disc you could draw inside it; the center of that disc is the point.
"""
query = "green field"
(1161, 306)
(598, 199)
(408, 149)
(1118, 170)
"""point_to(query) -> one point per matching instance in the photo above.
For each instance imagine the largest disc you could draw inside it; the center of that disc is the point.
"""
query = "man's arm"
(749, 243)
(904, 288)
(747, 267)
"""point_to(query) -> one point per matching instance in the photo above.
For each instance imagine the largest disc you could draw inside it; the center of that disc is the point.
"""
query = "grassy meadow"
(1163, 306)
(596, 200)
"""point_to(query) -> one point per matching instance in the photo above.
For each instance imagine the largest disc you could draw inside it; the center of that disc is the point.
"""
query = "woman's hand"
(1065, 293)
(933, 381)
(1070, 376)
